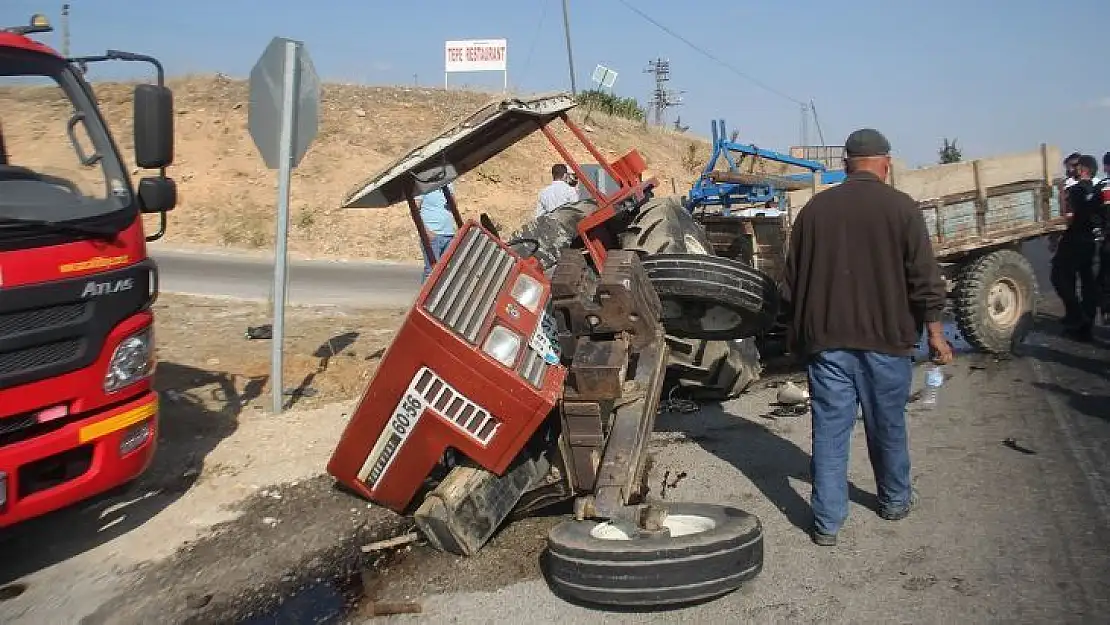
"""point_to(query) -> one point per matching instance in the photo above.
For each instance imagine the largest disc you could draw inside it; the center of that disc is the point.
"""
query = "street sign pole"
(283, 119)
(285, 173)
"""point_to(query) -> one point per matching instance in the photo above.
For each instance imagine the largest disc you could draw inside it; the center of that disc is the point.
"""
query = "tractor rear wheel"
(710, 370)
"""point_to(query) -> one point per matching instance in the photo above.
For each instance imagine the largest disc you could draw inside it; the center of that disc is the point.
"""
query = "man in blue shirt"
(439, 223)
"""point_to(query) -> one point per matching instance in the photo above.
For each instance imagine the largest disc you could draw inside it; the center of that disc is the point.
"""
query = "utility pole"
(65, 30)
(570, 55)
(661, 97)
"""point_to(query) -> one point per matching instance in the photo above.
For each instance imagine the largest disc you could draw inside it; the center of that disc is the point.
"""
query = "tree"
(949, 153)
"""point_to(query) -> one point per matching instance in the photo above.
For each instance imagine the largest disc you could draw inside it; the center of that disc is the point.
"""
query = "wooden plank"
(939, 181)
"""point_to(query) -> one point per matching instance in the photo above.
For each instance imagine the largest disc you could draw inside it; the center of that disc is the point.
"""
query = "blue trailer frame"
(707, 192)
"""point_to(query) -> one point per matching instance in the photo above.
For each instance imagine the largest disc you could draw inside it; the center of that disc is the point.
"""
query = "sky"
(995, 75)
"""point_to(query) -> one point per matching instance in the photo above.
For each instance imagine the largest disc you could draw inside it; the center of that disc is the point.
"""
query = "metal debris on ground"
(391, 543)
(790, 394)
(262, 332)
(677, 405)
(669, 483)
(795, 410)
(389, 608)
(1013, 444)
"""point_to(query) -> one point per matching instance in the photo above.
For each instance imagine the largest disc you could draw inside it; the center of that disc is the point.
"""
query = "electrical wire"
(710, 55)
(539, 28)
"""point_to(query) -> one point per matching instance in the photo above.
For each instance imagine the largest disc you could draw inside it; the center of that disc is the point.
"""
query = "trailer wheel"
(995, 297)
(711, 551)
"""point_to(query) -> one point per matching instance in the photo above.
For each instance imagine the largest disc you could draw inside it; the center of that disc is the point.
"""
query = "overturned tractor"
(530, 368)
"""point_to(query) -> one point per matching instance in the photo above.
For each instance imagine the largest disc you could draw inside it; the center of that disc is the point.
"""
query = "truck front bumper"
(81, 459)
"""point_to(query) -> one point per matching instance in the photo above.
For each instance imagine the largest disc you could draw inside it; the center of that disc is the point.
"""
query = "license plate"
(545, 340)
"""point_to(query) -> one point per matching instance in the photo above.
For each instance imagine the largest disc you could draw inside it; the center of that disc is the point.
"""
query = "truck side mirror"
(157, 194)
(153, 126)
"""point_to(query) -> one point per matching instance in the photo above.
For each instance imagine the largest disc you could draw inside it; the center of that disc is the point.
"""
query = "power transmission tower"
(661, 97)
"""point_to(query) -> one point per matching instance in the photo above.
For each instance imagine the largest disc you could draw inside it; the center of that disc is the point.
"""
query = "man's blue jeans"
(839, 381)
(439, 246)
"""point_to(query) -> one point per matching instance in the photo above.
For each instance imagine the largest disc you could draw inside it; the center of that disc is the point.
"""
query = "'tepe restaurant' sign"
(478, 55)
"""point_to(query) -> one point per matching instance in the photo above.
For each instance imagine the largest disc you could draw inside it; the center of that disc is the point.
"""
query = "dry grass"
(227, 195)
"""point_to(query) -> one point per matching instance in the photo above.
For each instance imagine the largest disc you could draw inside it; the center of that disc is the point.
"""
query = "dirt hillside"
(227, 195)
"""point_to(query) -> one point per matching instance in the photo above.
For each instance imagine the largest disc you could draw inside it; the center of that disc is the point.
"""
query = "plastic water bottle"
(934, 379)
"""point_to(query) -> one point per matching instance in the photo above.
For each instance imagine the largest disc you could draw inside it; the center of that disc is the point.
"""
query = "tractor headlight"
(132, 361)
(502, 345)
(527, 292)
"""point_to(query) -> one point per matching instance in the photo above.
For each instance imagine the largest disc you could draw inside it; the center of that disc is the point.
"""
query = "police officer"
(1075, 254)
(1104, 250)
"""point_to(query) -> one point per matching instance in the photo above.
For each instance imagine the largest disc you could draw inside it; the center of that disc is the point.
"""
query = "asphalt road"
(1012, 467)
(338, 283)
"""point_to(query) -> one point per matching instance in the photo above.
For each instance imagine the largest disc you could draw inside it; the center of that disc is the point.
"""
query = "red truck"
(78, 414)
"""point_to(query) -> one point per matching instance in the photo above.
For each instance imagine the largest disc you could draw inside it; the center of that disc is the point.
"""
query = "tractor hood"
(457, 150)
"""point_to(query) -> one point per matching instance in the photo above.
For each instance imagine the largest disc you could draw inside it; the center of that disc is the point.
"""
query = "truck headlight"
(527, 292)
(131, 362)
(502, 345)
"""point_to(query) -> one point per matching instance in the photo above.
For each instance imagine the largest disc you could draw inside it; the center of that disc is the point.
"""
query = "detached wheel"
(708, 297)
(711, 551)
(995, 300)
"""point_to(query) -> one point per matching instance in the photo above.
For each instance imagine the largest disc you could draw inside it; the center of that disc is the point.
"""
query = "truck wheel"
(663, 226)
(713, 370)
(995, 300)
(711, 551)
(709, 297)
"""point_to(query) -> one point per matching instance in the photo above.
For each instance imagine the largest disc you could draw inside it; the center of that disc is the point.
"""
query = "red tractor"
(530, 368)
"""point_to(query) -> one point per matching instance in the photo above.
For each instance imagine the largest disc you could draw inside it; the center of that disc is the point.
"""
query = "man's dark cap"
(866, 142)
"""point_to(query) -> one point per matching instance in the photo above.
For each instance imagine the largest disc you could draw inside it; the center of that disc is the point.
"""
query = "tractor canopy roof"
(458, 149)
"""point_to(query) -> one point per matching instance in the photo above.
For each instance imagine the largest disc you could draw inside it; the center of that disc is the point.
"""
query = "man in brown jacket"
(860, 281)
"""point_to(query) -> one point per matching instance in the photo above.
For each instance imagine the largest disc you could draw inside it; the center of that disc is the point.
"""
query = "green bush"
(617, 106)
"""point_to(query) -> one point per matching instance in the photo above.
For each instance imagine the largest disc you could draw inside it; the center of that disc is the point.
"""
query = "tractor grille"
(468, 287)
(455, 407)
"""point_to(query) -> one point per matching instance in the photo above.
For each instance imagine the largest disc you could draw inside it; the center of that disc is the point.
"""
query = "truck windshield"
(57, 162)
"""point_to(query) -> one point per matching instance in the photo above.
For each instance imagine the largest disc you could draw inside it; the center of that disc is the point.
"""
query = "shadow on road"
(325, 352)
(764, 457)
(189, 429)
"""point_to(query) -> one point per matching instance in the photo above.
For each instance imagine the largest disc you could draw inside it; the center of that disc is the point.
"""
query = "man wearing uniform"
(1075, 253)
(1104, 250)
(860, 281)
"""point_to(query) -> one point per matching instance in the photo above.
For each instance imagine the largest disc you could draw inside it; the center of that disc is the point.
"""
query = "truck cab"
(78, 414)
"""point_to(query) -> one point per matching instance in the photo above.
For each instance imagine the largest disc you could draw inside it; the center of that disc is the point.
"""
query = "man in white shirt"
(561, 190)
